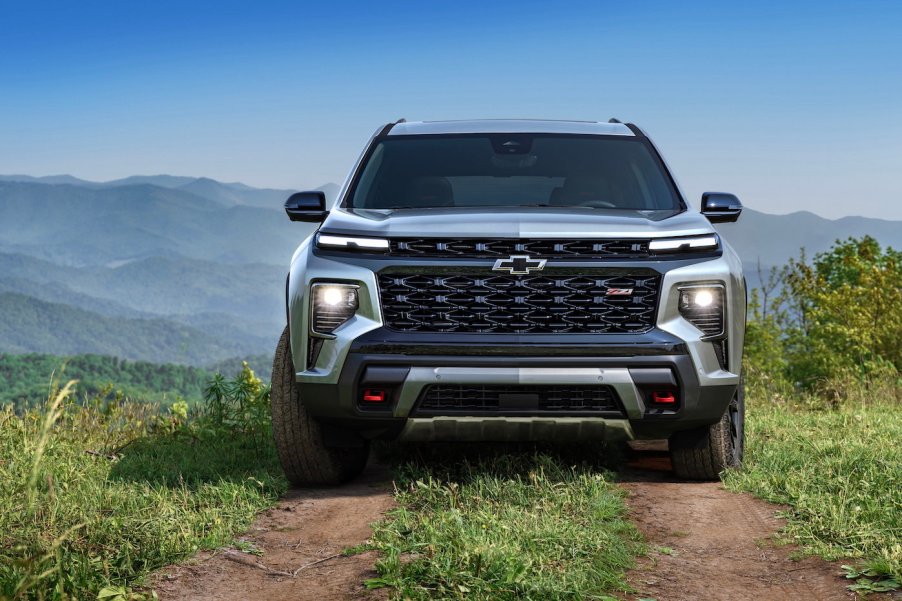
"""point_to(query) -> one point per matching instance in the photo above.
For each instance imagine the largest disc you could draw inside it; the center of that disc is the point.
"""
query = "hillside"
(206, 260)
(225, 193)
(211, 296)
(773, 239)
(86, 226)
(31, 325)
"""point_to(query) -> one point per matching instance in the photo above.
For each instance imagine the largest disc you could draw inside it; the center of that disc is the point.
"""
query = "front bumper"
(408, 375)
(331, 379)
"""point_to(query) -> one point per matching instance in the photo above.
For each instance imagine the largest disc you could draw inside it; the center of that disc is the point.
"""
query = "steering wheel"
(602, 204)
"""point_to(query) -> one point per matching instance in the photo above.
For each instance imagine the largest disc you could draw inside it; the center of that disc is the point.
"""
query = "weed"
(870, 580)
(97, 494)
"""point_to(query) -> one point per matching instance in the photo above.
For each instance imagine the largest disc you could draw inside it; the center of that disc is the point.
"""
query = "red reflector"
(374, 396)
(664, 398)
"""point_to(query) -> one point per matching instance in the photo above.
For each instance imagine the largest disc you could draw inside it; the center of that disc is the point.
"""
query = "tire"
(305, 458)
(704, 453)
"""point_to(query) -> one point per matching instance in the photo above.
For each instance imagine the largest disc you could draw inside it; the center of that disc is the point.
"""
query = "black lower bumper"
(383, 360)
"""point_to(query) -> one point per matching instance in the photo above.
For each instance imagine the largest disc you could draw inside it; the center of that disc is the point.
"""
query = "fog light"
(333, 305)
(703, 298)
(703, 307)
(333, 296)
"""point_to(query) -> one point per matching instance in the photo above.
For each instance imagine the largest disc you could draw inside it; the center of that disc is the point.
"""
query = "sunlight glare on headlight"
(704, 298)
(333, 296)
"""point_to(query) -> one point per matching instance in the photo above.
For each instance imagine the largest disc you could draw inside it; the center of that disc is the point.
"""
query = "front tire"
(704, 453)
(305, 458)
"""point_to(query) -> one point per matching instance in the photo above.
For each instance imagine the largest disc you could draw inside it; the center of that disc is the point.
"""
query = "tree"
(843, 312)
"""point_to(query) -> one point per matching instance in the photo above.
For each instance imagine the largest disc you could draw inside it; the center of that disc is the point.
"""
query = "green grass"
(505, 525)
(101, 495)
(840, 471)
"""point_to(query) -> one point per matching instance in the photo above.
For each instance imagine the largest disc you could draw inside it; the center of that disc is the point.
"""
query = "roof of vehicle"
(509, 126)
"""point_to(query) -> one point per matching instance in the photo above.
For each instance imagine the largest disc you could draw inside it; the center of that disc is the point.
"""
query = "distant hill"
(157, 285)
(771, 240)
(228, 194)
(76, 225)
(192, 270)
(775, 238)
(31, 325)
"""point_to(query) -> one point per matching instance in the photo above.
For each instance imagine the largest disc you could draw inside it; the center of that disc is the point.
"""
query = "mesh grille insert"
(587, 304)
(503, 398)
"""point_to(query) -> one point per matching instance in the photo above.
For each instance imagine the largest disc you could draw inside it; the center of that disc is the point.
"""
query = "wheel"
(306, 460)
(702, 454)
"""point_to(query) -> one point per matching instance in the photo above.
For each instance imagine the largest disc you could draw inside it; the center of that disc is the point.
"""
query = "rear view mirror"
(306, 206)
(720, 207)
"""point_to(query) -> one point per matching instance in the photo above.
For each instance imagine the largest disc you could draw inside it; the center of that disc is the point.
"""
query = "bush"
(836, 322)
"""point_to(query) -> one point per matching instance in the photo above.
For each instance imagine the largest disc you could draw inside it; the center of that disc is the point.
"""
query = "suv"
(510, 281)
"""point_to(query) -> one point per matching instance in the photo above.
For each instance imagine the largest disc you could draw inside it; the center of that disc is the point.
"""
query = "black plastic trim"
(287, 315)
(653, 343)
(636, 131)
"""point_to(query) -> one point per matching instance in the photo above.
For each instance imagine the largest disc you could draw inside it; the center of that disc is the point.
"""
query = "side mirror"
(306, 206)
(720, 207)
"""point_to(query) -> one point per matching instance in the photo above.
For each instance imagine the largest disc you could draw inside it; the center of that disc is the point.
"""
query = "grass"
(505, 525)
(97, 496)
(840, 473)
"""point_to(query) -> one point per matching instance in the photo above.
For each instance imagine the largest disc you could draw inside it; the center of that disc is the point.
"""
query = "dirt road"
(707, 544)
(716, 544)
(301, 540)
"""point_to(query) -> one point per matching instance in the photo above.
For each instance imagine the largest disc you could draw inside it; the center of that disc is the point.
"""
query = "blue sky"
(794, 106)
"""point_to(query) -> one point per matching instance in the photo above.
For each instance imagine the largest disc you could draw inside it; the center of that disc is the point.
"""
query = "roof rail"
(388, 126)
(614, 120)
(636, 131)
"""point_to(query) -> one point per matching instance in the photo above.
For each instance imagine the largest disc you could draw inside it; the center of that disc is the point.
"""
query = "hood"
(532, 222)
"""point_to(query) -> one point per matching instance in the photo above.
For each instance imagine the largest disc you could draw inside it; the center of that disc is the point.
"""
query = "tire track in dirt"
(307, 528)
(722, 542)
(722, 545)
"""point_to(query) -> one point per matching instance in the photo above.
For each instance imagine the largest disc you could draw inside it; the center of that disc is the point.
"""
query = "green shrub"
(832, 323)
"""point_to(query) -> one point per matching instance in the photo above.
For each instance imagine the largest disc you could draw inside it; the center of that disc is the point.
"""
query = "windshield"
(514, 170)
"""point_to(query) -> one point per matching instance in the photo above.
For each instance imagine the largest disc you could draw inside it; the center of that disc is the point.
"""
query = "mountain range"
(191, 270)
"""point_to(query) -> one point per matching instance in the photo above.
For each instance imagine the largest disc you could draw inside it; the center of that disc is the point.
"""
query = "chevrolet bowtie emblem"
(519, 265)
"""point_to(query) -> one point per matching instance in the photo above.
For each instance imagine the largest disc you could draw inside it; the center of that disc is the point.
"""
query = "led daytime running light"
(672, 244)
(330, 241)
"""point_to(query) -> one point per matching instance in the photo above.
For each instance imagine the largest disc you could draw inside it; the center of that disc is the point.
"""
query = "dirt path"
(722, 543)
(306, 526)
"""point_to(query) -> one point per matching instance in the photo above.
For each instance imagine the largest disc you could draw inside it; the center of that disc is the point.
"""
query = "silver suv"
(510, 281)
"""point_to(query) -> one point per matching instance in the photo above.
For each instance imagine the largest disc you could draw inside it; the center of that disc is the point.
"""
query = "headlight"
(351, 242)
(703, 307)
(333, 305)
(691, 243)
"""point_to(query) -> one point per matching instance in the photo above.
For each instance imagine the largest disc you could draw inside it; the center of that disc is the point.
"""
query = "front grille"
(445, 398)
(500, 248)
(511, 304)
